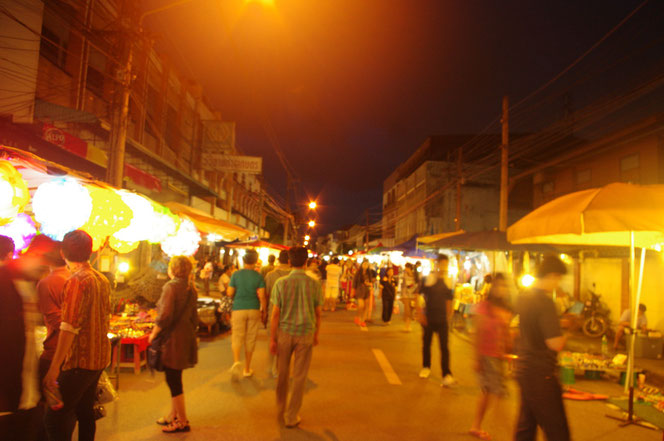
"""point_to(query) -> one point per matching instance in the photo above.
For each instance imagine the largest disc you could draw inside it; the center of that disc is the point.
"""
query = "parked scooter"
(596, 321)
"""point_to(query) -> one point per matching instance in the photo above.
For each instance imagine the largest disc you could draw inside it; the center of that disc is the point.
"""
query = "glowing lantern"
(21, 230)
(121, 246)
(164, 224)
(109, 215)
(140, 226)
(527, 281)
(60, 206)
(184, 242)
(14, 194)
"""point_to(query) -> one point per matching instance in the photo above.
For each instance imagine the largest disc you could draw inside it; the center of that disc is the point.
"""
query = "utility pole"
(457, 219)
(504, 169)
(120, 106)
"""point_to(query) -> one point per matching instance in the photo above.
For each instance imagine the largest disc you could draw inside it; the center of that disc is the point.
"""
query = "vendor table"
(137, 358)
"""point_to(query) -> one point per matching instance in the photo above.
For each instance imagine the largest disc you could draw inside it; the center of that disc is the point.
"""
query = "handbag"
(154, 351)
(106, 393)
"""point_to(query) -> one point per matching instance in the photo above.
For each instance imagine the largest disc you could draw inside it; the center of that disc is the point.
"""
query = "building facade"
(59, 93)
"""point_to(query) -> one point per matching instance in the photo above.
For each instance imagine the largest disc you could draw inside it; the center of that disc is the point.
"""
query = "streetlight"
(312, 223)
(307, 237)
(313, 205)
(306, 242)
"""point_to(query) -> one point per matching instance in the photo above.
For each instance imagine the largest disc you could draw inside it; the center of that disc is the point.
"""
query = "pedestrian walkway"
(349, 395)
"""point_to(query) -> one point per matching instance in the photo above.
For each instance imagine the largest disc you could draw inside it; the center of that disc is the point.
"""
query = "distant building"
(420, 197)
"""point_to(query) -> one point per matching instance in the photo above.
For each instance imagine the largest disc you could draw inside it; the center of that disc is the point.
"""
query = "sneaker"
(425, 372)
(248, 374)
(236, 370)
(448, 380)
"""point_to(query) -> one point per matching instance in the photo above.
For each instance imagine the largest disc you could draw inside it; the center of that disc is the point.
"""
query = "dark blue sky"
(352, 88)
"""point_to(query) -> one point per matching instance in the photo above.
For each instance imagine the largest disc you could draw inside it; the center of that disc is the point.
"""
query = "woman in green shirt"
(247, 287)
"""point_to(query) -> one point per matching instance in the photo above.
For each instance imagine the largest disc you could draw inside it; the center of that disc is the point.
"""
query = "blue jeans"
(79, 389)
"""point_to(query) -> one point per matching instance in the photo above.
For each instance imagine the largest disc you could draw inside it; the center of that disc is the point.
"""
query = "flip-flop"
(481, 434)
(176, 427)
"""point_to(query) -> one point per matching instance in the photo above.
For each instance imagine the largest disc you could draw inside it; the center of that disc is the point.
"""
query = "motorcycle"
(596, 320)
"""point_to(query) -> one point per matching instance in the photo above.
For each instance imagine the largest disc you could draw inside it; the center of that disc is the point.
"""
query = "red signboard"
(65, 140)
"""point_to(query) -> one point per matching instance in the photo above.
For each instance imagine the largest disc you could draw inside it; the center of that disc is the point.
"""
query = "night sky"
(352, 87)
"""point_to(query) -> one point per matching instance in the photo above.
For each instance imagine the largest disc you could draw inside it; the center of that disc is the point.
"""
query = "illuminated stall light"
(184, 242)
(60, 206)
(109, 215)
(22, 229)
(263, 254)
(527, 281)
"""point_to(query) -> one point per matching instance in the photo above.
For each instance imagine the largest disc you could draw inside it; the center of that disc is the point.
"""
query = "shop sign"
(233, 164)
(65, 140)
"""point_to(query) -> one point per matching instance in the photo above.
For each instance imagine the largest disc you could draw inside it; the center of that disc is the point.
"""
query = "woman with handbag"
(175, 334)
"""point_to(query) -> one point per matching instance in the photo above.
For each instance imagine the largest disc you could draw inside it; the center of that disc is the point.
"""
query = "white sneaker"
(448, 381)
(236, 371)
(425, 372)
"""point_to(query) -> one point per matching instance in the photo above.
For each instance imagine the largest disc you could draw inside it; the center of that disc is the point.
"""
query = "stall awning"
(257, 244)
(436, 237)
(208, 224)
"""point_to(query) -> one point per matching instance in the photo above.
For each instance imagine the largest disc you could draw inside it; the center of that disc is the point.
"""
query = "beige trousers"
(244, 325)
(300, 349)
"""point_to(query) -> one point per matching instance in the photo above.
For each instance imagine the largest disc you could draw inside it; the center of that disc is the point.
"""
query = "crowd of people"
(53, 282)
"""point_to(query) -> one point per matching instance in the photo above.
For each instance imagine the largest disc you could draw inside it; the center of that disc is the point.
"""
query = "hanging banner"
(233, 164)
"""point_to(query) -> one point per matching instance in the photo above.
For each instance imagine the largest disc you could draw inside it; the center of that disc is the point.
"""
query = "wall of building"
(637, 162)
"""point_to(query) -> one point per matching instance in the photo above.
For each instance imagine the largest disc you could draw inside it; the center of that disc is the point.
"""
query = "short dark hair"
(335, 260)
(642, 307)
(77, 246)
(6, 247)
(250, 257)
(551, 265)
(298, 256)
(271, 258)
(442, 257)
(283, 257)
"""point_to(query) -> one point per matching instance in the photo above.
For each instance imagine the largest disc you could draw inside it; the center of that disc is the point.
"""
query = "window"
(629, 162)
(96, 72)
(55, 36)
(547, 187)
(583, 176)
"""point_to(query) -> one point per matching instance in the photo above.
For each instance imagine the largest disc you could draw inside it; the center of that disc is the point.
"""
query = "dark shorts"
(492, 376)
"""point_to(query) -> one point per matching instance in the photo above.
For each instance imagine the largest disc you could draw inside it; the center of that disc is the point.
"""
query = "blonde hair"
(180, 266)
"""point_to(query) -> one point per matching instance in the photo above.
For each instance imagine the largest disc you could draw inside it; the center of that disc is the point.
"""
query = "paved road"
(350, 397)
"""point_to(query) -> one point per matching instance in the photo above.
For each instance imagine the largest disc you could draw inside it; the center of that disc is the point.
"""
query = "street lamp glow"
(307, 237)
(306, 242)
(313, 205)
(527, 281)
(312, 223)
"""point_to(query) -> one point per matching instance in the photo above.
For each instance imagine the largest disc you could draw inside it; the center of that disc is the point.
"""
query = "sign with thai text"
(233, 164)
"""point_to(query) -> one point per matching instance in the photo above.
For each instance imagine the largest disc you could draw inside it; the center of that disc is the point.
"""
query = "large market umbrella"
(618, 214)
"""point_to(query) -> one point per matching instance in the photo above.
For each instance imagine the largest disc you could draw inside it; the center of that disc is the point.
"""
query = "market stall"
(618, 214)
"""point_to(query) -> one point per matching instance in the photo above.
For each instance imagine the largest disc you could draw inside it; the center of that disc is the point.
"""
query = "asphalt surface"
(350, 397)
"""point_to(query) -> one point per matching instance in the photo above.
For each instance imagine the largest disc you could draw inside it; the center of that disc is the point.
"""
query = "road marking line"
(392, 377)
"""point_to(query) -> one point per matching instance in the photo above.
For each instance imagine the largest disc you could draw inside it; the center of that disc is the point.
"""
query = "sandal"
(176, 427)
(481, 434)
(164, 421)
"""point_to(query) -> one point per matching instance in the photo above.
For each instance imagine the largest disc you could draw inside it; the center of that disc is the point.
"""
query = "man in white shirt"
(625, 323)
(332, 285)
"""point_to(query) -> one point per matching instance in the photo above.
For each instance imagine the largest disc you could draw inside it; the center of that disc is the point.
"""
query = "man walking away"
(271, 278)
(83, 348)
(267, 269)
(437, 312)
(296, 313)
(541, 340)
(333, 271)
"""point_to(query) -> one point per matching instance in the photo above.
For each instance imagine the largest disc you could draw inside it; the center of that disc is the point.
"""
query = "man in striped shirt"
(295, 324)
